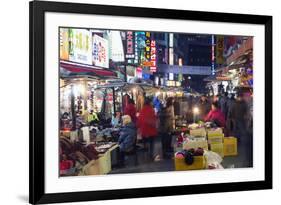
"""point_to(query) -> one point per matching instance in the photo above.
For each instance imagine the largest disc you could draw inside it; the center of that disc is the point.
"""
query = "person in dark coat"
(239, 114)
(167, 126)
(223, 104)
(127, 138)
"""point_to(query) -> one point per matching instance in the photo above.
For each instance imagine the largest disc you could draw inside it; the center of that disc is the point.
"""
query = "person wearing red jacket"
(147, 125)
(130, 110)
(215, 115)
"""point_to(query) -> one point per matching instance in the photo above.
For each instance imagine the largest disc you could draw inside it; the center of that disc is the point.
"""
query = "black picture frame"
(37, 11)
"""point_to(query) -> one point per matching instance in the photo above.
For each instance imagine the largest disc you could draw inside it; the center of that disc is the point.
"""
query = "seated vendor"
(215, 115)
(116, 119)
(127, 137)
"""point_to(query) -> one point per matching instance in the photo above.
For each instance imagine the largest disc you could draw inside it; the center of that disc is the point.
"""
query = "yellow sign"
(219, 50)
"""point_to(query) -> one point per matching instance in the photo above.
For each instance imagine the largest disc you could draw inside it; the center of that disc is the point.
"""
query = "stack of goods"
(197, 130)
(196, 138)
(76, 153)
(230, 146)
(195, 142)
(192, 159)
(215, 140)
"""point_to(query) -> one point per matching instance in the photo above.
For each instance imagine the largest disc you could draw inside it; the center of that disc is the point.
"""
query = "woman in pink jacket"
(215, 115)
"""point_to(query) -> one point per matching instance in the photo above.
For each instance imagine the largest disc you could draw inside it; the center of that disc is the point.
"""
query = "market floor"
(242, 160)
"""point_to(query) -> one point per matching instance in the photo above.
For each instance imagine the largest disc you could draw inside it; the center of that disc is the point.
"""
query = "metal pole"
(114, 108)
(72, 104)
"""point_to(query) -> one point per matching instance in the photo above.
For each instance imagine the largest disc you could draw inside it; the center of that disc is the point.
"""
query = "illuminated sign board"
(147, 46)
(80, 46)
(153, 68)
(130, 45)
(100, 52)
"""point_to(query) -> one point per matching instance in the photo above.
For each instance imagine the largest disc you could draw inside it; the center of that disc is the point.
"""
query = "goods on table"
(195, 142)
(198, 132)
(214, 132)
(230, 146)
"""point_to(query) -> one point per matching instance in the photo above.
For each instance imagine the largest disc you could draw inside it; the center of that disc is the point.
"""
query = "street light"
(195, 113)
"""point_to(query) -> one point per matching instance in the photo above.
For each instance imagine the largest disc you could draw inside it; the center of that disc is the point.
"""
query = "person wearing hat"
(127, 139)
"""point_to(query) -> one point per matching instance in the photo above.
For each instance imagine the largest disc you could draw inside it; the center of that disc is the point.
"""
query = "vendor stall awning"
(78, 68)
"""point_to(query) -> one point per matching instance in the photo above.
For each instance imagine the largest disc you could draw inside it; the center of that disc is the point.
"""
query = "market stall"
(202, 146)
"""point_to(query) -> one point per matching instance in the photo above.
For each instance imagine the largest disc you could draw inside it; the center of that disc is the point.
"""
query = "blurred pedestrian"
(239, 114)
(223, 103)
(167, 127)
(147, 126)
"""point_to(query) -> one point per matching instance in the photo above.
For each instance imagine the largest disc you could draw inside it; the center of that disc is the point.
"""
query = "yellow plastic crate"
(196, 143)
(218, 148)
(214, 132)
(198, 132)
(199, 163)
(230, 146)
(216, 139)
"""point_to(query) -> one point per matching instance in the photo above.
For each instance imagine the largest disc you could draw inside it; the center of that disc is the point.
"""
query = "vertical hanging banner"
(147, 46)
(100, 52)
(220, 50)
(80, 48)
(130, 45)
(153, 67)
(64, 44)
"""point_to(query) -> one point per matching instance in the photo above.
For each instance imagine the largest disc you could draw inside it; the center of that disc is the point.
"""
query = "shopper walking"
(229, 118)
(245, 139)
(239, 114)
(223, 104)
(167, 127)
(147, 126)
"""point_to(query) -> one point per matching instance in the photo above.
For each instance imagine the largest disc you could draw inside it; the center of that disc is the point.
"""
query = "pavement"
(242, 160)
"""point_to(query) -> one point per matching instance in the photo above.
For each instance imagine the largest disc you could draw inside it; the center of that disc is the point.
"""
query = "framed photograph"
(130, 102)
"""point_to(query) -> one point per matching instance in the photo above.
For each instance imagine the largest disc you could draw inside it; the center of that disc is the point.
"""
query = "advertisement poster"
(100, 52)
(80, 48)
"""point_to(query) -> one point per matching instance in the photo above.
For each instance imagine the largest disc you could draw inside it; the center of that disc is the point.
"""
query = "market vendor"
(215, 115)
(92, 117)
(127, 138)
(116, 119)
